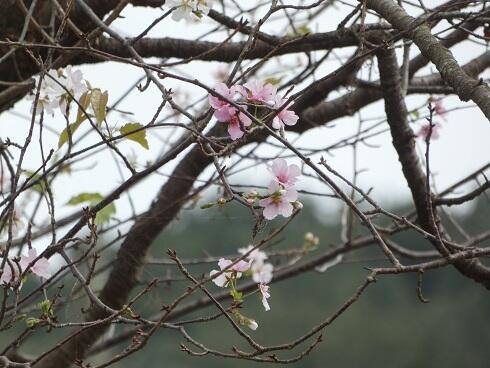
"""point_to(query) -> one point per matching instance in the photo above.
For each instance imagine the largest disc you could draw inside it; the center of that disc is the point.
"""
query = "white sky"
(462, 147)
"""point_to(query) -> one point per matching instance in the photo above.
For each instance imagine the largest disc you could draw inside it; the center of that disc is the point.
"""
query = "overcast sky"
(463, 145)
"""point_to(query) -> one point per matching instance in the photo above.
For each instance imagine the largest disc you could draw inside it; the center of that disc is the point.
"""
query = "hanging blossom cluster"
(253, 94)
(189, 10)
(58, 89)
(13, 268)
(254, 266)
(282, 198)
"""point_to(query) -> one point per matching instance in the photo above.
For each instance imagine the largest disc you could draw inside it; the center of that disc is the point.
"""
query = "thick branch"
(466, 88)
(404, 144)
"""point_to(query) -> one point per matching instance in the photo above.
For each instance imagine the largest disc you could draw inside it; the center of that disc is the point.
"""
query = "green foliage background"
(387, 327)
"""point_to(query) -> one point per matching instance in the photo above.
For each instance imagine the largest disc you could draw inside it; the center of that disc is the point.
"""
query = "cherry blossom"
(48, 93)
(425, 129)
(40, 268)
(440, 109)
(285, 174)
(256, 256)
(57, 89)
(278, 202)
(223, 107)
(264, 291)
(233, 117)
(234, 271)
(9, 277)
(283, 117)
(256, 91)
(72, 80)
(262, 272)
(189, 10)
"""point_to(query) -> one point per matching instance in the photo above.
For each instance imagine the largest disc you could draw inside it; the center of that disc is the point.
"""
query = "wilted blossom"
(283, 117)
(285, 174)
(234, 271)
(257, 91)
(425, 130)
(189, 9)
(264, 291)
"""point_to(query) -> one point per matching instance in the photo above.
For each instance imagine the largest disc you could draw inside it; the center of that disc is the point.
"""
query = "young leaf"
(139, 136)
(99, 104)
(67, 132)
(39, 187)
(85, 197)
(84, 102)
(104, 215)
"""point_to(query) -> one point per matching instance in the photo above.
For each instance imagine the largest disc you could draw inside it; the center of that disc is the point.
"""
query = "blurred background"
(388, 326)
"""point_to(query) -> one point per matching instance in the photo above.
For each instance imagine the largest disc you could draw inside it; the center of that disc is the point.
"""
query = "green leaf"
(46, 307)
(302, 30)
(84, 102)
(139, 137)
(39, 187)
(273, 81)
(65, 134)
(31, 321)
(85, 197)
(99, 104)
(104, 215)
(207, 205)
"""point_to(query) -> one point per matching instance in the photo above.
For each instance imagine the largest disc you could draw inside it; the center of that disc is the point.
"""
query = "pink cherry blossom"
(233, 271)
(40, 268)
(440, 109)
(218, 103)
(283, 117)
(278, 202)
(264, 291)
(11, 272)
(285, 174)
(233, 117)
(424, 131)
(256, 91)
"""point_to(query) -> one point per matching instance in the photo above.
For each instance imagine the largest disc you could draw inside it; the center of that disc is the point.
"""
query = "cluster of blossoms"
(14, 269)
(253, 93)
(189, 10)
(440, 110)
(255, 266)
(282, 197)
(58, 89)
